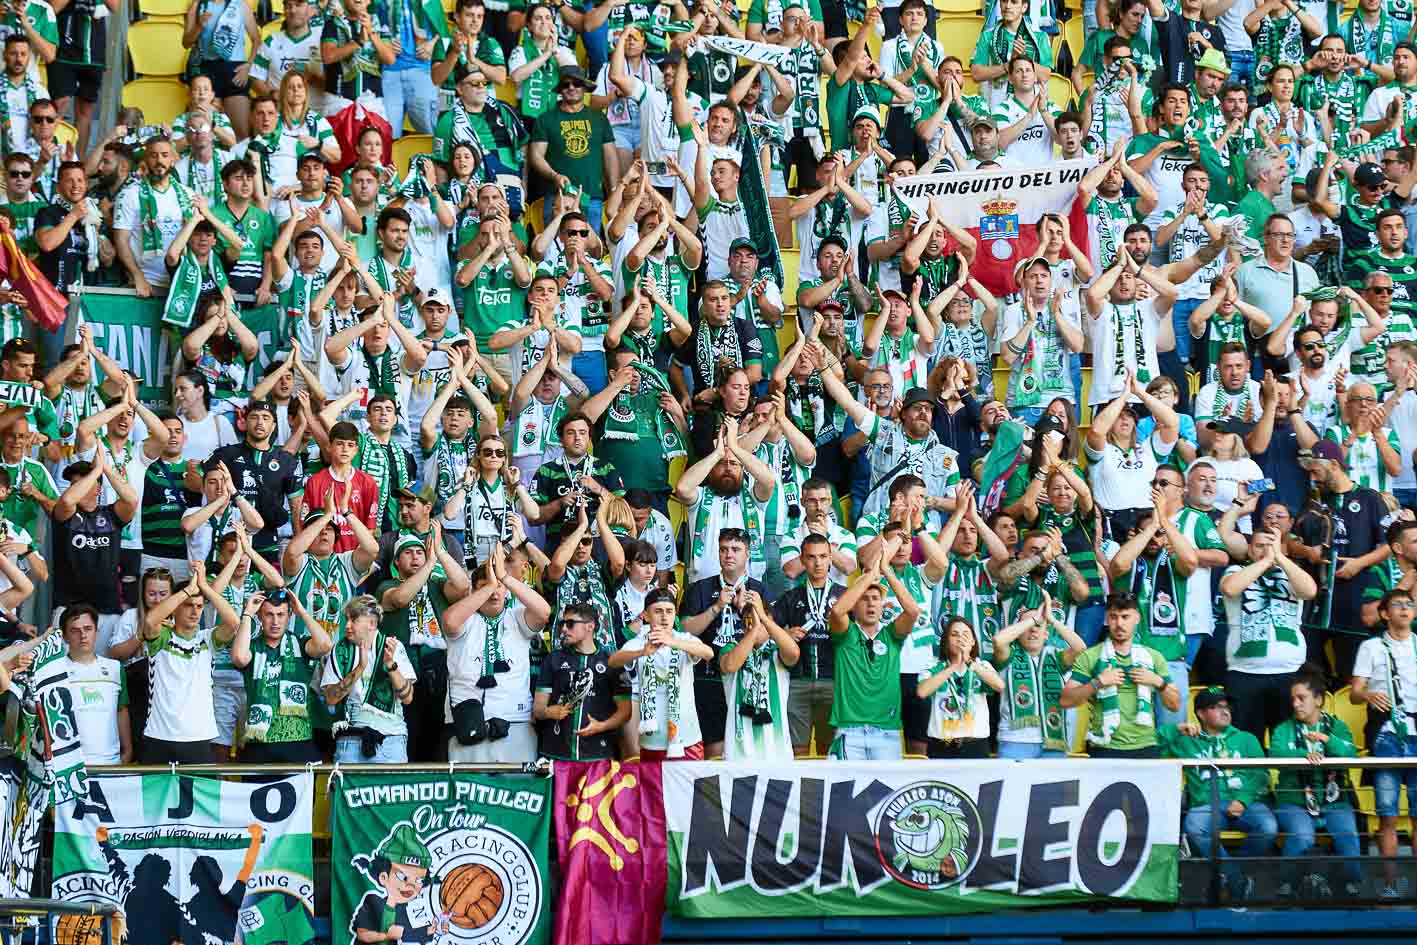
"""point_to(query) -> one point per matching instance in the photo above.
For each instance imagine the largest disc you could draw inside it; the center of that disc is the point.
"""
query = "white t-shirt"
(1214, 402)
(1122, 479)
(1127, 319)
(510, 699)
(180, 668)
(428, 238)
(1375, 661)
(278, 54)
(661, 663)
(660, 533)
(95, 689)
(204, 436)
(1404, 423)
(1229, 473)
(334, 219)
(1267, 610)
(1034, 145)
(127, 215)
(362, 715)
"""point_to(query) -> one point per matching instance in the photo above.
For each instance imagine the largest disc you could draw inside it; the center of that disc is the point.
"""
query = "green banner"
(452, 859)
(193, 860)
(129, 330)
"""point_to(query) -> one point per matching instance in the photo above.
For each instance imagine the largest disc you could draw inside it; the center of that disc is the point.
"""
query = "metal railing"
(78, 923)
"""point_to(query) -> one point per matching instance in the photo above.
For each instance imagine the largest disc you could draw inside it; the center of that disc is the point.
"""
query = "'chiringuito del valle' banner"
(192, 860)
(835, 839)
(456, 860)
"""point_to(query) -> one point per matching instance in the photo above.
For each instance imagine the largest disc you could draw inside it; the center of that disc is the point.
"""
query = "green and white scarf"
(1358, 36)
(584, 584)
(186, 287)
(709, 509)
(494, 659)
(538, 89)
(33, 92)
(1034, 687)
(384, 275)
(1255, 635)
(754, 686)
(1322, 786)
(660, 673)
(628, 412)
(1154, 584)
(1398, 715)
(1107, 696)
(452, 462)
(147, 211)
(217, 191)
(380, 694)
(536, 426)
(282, 692)
(724, 341)
(1128, 324)
(955, 701)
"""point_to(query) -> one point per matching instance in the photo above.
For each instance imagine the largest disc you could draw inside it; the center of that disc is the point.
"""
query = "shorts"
(627, 137)
(156, 751)
(229, 707)
(713, 709)
(809, 706)
(280, 753)
(70, 81)
(223, 76)
(914, 711)
(1387, 784)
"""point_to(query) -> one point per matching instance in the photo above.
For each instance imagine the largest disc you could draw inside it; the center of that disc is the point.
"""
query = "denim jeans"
(1257, 822)
(1181, 676)
(1407, 498)
(1181, 311)
(1087, 623)
(1026, 751)
(1075, 370)
(589, 366)
(410, 91)
(1242, 66)
(1387, 785)
(774, 581)
(867, 743)
(1299, 828)
(392, 751)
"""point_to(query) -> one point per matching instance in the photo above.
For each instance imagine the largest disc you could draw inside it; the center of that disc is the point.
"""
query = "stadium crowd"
(561, 458)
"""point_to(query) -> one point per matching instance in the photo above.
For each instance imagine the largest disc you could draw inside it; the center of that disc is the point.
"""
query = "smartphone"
(1260, 486)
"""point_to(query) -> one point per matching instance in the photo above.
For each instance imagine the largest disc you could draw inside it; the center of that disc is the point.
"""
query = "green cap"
(403, 847)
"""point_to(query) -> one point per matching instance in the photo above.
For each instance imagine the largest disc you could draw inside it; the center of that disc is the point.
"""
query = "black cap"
(265, 405)
(574, 74)
(1369, 174)
(1212, 697)
(1231, 425)
(672, 58)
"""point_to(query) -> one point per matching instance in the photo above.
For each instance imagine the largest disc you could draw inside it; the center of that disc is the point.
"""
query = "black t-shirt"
(556, 479)
(1280, 462)
(807, 607)
(65, 265)
(265, 478)
(1346, 526)
(699, 597)
(740, 347)
(86, 549)
(564, 675)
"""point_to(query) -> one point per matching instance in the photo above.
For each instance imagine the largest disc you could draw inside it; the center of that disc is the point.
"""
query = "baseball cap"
(672, 58)
(897, 293)
(743, 242)
(1212, 697)
(423, 491)
(265, 405)
(1231, 425)
(573, 74)
(436, 296)
(829, 304)
(1369, 174)
(1324, 450)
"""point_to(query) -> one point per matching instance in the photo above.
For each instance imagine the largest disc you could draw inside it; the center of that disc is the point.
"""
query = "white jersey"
(510, 699)
(1123, 337)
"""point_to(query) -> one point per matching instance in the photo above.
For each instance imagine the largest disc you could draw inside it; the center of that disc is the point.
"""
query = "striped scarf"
(147, 212)
(33, 91)
(1107, 696)
(1035, 684)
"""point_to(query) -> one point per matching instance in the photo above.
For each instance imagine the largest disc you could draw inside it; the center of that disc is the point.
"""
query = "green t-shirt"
(278, 697)
(843, 102)
(165, 498)
(19, 509)
(419, 623)
(1256, 208)
(1130, 735)
(1245, 785)
(573, 146)
(258, 229)
(24, 214)
(1328, 787)
(640, 458)
(867, 678)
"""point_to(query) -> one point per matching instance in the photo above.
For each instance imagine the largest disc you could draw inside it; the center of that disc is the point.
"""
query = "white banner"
(818, 838)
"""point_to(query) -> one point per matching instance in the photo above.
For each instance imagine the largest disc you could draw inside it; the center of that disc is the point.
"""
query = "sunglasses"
(1164, 484)
(21, 175)
(578, 232)
(43, 119)
(587, 541)
(1311, 346)
(494, 453)
(475, 85)
(1380, 289)
(1280, 236)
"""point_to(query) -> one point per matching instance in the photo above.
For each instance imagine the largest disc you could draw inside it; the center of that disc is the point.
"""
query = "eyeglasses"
(578, 232)
(1363, 400)
(476, 85)
(44, 119)
(1311, 346)
(1279, 236)
(21, 175)
(1165, 484)
(1403, 604)
(1380, 289)
(877, 386)
(495, 453)
(572, 621)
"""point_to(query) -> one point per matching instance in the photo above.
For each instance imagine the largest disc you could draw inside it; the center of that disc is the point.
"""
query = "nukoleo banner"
(432, 857)
(827, 838)
(192, 860)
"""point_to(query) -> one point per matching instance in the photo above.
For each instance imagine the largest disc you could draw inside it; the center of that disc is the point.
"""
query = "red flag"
(348, 123)
(611, 844)
(46, 303)
(997, 257)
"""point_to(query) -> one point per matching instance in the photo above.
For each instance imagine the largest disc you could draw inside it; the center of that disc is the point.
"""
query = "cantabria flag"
(1001, 208)
(193, 860)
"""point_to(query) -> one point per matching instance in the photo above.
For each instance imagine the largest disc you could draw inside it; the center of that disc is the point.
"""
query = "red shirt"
(363, 501)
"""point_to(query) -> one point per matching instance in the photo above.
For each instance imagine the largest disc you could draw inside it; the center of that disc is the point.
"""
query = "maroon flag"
(610, 840)
(46, 303)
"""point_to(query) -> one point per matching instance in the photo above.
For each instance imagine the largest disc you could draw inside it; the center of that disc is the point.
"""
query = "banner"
(129, 330)
(193, 860)
(1000, 208)
(829, 838)
(455, 859)
(610, 831)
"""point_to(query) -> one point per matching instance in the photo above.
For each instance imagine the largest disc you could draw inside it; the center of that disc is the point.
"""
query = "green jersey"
(257, 229)
(1132, 726)
(1245, 785)
(1311, 787)
(278, 694)
(324, 586)
(492, 301)
(1365, 463)
(165, 498)
(24, 214)
(18, 508)
(866, 688)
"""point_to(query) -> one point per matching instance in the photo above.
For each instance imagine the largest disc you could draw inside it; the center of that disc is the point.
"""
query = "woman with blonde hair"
(299, 130)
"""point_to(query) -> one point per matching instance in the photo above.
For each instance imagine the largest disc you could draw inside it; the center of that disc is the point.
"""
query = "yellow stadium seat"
(1060, 90)
(177, 8)
(156, 48)
(959, 33)
(67, 134)
(160, 99)
(791, 260)
(957, 6)
(1075, 36)
(409, 145)
(507, 92)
